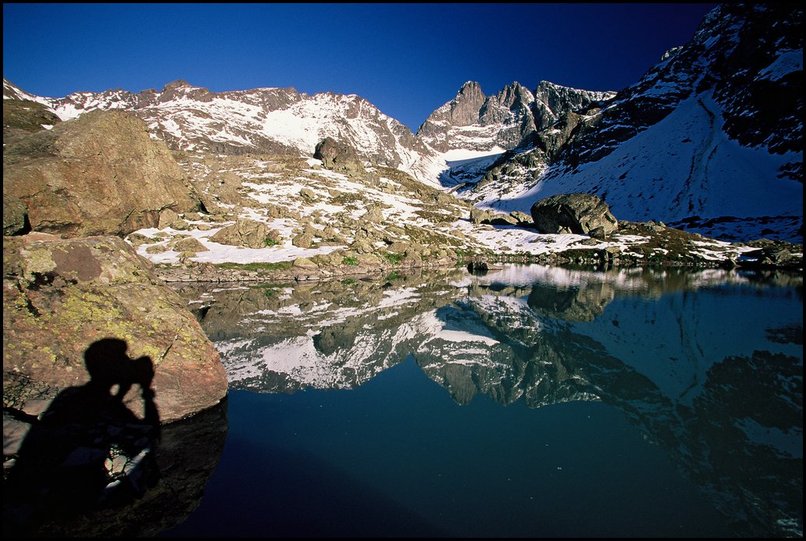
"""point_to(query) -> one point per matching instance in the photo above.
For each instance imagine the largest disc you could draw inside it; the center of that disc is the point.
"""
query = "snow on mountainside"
(474, 122)
(259, 120)
(473, 130)
(683, 166)
(710, 139)
(11, 92)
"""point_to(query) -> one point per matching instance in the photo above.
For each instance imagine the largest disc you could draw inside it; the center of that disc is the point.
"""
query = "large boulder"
(100, 174)
(338, 157)
(579, 213)
(62, 295)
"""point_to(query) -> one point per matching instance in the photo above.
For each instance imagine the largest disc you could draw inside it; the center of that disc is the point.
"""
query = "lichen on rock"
(61, 295)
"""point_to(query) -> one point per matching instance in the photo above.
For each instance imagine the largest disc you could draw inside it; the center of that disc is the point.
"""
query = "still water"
(530, 401)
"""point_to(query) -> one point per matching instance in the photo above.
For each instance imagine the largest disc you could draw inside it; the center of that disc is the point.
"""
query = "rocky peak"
(507, 119)
(551, 101)
(183, 89)
(750, 56)
(179, 83)
(471, 88)
(463, 110)
(513, 99)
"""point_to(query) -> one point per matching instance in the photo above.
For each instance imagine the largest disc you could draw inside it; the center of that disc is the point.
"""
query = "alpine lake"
(529, 401)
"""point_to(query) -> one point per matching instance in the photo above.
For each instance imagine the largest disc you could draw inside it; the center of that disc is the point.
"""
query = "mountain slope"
(474, 122)
(709, 139)
(274, 120)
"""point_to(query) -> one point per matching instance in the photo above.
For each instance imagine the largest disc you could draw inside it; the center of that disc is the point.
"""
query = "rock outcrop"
(338, 157)
(246, 233)
(580, 213)
(100, 174)
(62, 295)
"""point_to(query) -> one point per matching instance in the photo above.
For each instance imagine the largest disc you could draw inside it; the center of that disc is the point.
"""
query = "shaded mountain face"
(748, 57)
(709, 139)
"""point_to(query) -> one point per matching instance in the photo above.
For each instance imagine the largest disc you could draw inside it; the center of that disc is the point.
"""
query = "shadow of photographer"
(88, 450)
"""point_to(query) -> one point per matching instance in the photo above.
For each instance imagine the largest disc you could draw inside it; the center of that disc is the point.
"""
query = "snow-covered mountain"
(709, 139)
(473, 130)
(474, 122)
(274, 120)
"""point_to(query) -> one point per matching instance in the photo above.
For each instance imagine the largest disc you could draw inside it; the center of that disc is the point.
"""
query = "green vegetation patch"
(393, 258)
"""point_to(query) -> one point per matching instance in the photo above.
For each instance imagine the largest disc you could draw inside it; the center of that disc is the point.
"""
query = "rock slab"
(62, 295)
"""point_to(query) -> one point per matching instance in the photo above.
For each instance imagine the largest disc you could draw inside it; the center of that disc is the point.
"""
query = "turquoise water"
(530, 402)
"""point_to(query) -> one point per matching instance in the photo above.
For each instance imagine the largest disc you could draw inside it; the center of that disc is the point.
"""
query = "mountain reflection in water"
(708, 364)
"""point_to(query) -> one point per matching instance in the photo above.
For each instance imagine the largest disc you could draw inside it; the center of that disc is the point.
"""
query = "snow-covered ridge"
(685, 165)
(709, 139)
(474, 122)
(265, 119)
(268, 119)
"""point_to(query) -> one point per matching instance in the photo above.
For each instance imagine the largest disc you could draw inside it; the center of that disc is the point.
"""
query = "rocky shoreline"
(664, 247)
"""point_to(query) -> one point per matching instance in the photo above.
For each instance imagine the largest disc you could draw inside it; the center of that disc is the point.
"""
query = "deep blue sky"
(407, 59)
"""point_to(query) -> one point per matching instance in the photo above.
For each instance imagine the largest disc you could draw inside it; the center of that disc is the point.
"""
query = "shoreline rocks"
(62, 295)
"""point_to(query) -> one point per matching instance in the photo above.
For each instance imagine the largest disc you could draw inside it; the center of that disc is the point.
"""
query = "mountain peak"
(179, 83)
(471, 90)
(470, 86)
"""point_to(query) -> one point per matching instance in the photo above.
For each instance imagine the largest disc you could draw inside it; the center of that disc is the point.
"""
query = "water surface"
(527, 402)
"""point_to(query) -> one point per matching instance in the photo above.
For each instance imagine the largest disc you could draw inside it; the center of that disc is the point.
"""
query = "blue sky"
(407, 59)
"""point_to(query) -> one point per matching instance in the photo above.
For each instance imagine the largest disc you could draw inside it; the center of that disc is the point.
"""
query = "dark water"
(527, 402)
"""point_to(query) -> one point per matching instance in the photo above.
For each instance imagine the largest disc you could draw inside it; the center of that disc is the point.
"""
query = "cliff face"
(475, 122)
